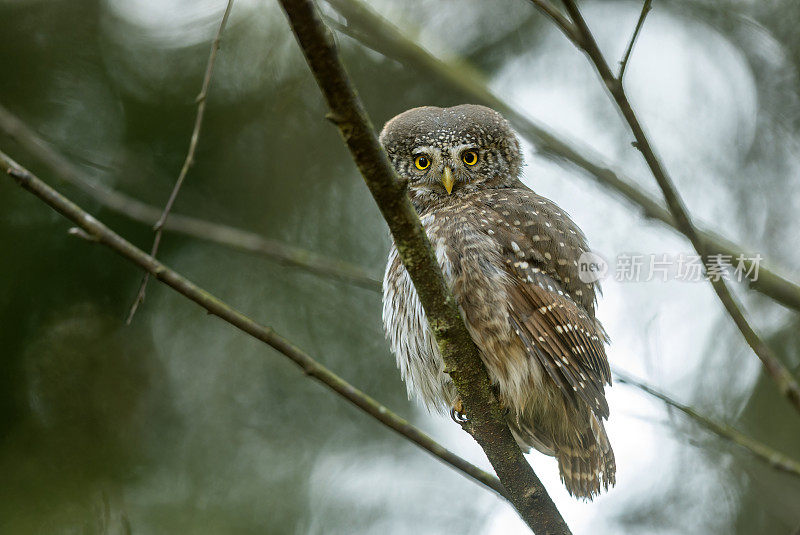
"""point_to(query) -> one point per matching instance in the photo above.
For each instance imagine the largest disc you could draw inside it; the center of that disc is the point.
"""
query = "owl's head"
(446, 152)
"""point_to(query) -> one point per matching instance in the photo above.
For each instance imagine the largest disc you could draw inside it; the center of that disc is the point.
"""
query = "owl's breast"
(472, 264)
(406, 325)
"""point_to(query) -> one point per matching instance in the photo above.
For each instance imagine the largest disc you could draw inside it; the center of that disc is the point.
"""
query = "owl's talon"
(458, 417)
(457, 412)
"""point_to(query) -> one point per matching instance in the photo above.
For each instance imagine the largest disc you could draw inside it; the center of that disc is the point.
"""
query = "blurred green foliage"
(178, 423)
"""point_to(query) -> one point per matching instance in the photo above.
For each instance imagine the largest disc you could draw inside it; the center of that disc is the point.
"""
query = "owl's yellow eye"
(422, 162)
(470, 157)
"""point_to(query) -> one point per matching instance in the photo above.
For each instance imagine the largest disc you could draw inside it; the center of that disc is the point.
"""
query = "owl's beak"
(447, 180)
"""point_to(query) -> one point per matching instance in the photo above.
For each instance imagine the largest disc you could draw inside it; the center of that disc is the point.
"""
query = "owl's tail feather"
(586, 465)
(586, 468)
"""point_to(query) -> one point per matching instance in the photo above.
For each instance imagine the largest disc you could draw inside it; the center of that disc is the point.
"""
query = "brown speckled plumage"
(510, 257)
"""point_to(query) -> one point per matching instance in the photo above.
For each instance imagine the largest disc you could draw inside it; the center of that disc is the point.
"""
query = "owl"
(510, 257)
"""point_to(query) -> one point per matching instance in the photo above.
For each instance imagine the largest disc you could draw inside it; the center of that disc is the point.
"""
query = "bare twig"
(774, 458)
(189, 161)
(625, 57)
(463, 364)
(103, 235)
(224, 235)
(784, 380)
(375, 32)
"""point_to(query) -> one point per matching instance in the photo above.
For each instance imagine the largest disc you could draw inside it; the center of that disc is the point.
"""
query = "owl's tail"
(588, 466)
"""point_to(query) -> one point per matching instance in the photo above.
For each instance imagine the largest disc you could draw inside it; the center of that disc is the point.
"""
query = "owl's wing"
(533, 228)
(560, 336)
(549, 305)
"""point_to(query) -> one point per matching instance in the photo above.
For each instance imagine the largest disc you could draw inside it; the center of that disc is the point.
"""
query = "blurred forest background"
(180, 424)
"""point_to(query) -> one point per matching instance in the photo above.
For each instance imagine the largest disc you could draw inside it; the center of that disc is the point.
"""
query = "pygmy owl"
(510, 258)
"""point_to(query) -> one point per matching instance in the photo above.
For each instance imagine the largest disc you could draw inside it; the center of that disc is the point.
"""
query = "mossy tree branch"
(485, 415)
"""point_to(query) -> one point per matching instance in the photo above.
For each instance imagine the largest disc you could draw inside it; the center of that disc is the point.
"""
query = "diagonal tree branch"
(189, 161)
(375, 32)
(486, 423)
(99, 233)
(136, 210)
(785, 381)
(772, 457)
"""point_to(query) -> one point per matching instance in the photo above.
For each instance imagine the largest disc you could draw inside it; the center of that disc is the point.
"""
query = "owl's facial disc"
(448, 152)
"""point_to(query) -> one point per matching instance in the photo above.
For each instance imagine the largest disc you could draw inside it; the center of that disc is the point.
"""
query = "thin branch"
(138, 211)
(625, 57)
(772, 457)
(486, 421)
(103, 235)
(189, 161)
(380, 35)
(786, 383)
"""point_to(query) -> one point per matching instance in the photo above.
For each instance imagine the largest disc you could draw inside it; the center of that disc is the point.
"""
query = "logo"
(592, 267)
